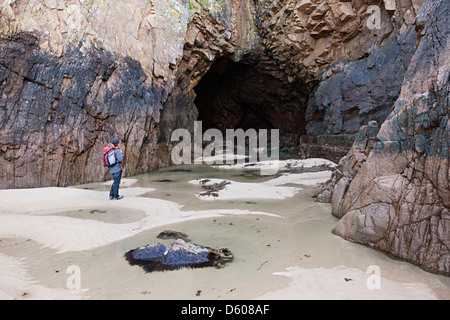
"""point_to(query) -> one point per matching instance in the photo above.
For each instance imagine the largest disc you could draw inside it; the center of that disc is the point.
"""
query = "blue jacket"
(118, 166)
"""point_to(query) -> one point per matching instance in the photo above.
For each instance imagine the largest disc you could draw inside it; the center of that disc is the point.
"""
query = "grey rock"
(177, 255)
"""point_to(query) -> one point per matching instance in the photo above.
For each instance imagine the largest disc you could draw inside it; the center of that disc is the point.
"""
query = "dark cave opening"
(238, 96)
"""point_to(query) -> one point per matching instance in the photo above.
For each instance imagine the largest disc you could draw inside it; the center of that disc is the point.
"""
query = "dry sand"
(45, 231)
(39, 216)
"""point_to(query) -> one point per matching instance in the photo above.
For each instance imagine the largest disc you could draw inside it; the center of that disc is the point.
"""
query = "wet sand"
(283, 247)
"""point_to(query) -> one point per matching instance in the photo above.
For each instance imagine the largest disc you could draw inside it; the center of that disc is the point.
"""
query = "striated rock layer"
(333, 44)
(392, 190)
(73, 74)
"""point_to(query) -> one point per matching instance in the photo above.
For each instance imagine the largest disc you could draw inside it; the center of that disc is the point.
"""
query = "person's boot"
(118, 198)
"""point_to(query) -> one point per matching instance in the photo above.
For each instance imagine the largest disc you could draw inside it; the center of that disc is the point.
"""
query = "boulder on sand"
(177, 255)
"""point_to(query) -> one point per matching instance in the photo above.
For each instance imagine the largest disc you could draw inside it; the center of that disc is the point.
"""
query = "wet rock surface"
(332, 44)
(177, 255)
(58, 112)
(330, 147)
(357, 92)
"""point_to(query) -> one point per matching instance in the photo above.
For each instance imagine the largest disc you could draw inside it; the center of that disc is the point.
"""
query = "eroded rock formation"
(333, 43)
(75, 73)
(392, 190)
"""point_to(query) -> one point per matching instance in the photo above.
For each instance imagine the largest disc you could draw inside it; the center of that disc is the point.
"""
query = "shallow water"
(299, 236)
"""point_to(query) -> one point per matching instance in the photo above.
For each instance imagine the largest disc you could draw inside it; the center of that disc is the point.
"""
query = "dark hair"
(115, 141)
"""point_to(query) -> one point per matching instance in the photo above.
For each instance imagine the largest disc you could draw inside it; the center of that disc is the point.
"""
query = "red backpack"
(109, 156)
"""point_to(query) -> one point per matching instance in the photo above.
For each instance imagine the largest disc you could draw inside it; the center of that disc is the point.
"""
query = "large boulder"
(177, 255)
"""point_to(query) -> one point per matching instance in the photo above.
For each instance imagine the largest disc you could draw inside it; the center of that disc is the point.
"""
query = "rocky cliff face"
(75, 73)
(392, 190)
(66, 89)
(336, 44)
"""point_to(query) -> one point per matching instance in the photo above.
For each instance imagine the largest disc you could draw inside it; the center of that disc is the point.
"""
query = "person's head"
(115, 142)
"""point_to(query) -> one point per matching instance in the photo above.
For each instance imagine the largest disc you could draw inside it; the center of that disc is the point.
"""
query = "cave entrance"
(237, 95)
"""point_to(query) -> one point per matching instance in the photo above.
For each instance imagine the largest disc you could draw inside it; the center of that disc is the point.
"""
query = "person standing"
(116, 170)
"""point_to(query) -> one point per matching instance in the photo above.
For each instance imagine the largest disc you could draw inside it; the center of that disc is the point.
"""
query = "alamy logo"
(374, 19)
(239, 146)
(374, 280)
(74, 280)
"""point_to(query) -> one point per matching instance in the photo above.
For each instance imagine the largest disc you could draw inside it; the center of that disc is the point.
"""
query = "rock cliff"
(392, 189)
(75, 73)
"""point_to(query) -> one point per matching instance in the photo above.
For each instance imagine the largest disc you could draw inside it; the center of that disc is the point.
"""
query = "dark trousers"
(114, 192)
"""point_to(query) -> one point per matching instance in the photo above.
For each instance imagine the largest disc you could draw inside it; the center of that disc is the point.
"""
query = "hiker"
(115, 168)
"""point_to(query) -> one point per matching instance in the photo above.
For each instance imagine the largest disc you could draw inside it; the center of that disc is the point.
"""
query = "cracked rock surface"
(392, 190)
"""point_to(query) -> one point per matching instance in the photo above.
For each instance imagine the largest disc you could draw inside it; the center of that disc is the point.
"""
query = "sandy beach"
(273, 226)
